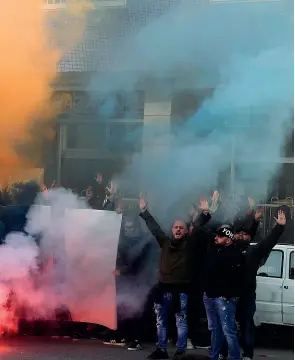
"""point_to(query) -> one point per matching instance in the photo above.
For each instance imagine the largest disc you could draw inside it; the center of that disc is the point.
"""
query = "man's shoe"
(158, 354)
(178, 353)
(115, 342)
(206, 347)
(189, 345)
(136, 345)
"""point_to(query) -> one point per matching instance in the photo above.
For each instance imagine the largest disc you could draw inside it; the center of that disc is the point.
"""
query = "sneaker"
(178, 353)
(206, 347)
(115, 342)
(189, 345)
(158, 354)
(136, 345)
(246, 358)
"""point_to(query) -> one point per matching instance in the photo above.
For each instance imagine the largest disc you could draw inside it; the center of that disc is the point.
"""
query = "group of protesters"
(202, 264)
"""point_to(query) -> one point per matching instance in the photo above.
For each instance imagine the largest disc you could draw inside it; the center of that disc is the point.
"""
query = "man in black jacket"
(254, 255)
(172, 289)
(134, 273)
(223, 279)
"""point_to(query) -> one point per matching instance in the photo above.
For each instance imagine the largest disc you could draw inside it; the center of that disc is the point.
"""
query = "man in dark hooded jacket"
(254, 255)
(134, 278)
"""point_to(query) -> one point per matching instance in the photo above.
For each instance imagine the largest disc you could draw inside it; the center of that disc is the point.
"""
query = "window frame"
(282, 265)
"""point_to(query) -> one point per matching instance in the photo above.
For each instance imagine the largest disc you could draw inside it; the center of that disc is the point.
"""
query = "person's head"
(243, 235)
(179, 229)
(241, 230)
(25, 193)
(224, 236)
(286, 210)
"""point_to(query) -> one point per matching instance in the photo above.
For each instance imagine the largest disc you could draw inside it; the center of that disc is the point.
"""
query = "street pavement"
(39, 348)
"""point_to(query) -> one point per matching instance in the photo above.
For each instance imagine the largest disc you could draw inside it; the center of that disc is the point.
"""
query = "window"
(122, 106)
(273, 266)
(291, 266)
(88, 136)
(125, 137)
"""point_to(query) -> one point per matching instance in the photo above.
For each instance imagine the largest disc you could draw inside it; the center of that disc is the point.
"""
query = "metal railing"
(270, 212)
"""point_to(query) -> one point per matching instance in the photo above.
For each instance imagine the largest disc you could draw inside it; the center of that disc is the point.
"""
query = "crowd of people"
(203, 263)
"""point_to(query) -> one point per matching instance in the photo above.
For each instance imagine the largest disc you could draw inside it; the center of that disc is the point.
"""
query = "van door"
(288, 290)
(269, 290)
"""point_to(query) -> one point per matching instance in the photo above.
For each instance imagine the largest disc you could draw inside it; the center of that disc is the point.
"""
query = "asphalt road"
(32, 348)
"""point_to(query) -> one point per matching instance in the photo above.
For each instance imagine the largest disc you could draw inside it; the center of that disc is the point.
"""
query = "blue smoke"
(245, 52)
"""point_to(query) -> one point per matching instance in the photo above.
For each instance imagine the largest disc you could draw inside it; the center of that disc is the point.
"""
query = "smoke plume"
(33, 43)
(241, 50)
(27, 66)
(72, 267)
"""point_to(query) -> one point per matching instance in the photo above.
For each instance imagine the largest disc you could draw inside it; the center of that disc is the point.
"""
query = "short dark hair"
(181, 220)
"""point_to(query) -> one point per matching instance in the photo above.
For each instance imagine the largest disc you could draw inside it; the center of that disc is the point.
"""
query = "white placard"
(91, 253)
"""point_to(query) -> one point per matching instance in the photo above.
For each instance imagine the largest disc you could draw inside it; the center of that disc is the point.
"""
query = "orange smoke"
(27, 66)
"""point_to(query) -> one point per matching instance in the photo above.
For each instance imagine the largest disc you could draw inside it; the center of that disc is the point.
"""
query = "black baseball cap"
(226, 231)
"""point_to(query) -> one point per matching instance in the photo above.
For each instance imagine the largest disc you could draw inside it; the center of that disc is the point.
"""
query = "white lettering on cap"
(228, 233)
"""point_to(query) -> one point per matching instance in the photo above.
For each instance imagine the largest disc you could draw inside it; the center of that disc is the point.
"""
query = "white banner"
(90, 267)
(78, 252)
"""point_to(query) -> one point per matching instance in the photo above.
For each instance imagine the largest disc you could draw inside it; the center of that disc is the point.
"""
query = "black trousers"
(129, 329)
(196, 311)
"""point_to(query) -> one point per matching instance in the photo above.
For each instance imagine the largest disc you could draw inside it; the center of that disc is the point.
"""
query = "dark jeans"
(129, 329)
(162, 314)
(196, 311)
(221, 315)
(246, 311)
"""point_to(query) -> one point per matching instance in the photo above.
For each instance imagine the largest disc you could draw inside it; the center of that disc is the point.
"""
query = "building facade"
(90, 140)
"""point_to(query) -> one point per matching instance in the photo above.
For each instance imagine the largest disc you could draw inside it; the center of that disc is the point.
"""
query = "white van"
(275, 288)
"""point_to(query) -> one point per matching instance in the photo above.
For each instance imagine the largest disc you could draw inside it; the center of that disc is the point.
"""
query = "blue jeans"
(247, 308)
(221, 315)
(162, 314)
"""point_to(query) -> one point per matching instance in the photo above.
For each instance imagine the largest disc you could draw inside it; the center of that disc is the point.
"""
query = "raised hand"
(142, 203)
(281, 220)
(194, 212)
(215, 197)
(43, 188)
(251, 202)
(204, 206)
(112, 189)
(259, 213)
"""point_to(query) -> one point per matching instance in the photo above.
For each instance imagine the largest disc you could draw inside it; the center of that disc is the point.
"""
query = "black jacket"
(174, 259)
(224, 272)
(134, 255)
(197, 248)
(255, 254)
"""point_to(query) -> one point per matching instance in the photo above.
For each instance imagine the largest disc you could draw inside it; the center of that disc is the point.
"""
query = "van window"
(273, 267)
(291, 266)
